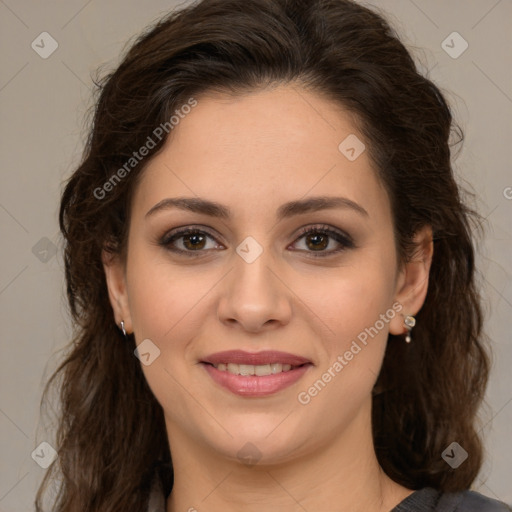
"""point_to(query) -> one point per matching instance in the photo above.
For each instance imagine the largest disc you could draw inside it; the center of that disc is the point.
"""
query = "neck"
(340, 474)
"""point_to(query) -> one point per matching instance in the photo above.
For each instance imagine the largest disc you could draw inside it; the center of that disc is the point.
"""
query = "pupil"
(316, 237)
(194, 239)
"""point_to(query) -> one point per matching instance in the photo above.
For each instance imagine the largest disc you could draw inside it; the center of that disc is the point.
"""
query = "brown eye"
(191, 240)
(317, 239)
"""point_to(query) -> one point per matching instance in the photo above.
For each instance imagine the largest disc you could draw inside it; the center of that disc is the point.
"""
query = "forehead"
(260, 148)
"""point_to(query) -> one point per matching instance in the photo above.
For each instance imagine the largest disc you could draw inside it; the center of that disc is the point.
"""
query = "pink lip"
(253, 386)
(265, 357)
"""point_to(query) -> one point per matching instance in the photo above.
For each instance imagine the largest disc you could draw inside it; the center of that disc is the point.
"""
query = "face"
(252, 280)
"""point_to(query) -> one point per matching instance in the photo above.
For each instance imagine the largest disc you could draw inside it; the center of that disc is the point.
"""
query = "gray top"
(423, 500)
(431, 500)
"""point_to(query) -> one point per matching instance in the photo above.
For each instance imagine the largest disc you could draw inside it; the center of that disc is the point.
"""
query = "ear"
(412, 282)
(115, 273)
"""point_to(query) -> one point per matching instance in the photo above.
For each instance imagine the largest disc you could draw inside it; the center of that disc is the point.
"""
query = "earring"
(123, 329)
(409, 322)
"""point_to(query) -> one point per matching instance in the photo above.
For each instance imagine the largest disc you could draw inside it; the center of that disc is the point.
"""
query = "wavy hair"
(111, 434)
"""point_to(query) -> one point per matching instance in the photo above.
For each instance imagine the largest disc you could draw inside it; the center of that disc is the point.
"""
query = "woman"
(271, 271)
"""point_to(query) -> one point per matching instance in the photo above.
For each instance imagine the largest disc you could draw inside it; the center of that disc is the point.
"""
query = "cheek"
(169, 306)
(352, 356)
(349, 300)
(165, 304)
(355, 348)
(162, 296)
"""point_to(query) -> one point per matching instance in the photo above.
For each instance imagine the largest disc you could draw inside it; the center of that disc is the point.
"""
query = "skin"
(252, 153)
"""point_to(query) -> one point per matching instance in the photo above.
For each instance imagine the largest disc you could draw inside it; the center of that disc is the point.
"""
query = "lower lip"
(254, 386)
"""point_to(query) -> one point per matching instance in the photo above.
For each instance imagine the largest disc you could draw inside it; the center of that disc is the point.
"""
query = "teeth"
(259, 370)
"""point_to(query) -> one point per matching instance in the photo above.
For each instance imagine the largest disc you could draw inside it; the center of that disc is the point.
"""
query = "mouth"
(255, 374)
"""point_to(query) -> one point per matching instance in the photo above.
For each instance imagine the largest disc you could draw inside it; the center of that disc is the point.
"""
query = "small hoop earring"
(123, 329)
(409, 322)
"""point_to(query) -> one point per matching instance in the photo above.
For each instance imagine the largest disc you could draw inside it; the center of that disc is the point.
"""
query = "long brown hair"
(111, 432)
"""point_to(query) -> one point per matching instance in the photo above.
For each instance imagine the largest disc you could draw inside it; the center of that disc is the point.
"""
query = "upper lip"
(255, 358)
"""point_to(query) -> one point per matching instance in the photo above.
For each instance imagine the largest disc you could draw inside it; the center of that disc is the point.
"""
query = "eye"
(191, 239)
(318, 238)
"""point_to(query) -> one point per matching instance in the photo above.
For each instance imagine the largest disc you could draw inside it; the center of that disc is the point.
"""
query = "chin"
(254, 446)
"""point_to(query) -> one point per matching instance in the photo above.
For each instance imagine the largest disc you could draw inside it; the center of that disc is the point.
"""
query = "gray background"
(42, 129)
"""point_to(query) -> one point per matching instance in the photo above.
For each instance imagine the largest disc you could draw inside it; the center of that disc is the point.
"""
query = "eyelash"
(343, 239)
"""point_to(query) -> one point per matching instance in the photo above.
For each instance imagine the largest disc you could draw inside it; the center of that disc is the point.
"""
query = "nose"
(255, 296)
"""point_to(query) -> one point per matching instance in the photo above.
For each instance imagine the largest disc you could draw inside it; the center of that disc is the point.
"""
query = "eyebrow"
(287, 210)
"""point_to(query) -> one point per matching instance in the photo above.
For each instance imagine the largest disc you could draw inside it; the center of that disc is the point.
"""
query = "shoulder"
(469, 501)
(429, 499)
